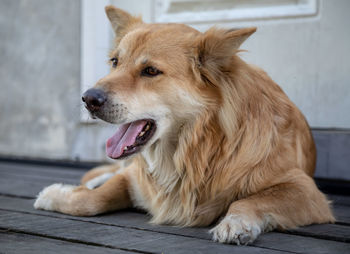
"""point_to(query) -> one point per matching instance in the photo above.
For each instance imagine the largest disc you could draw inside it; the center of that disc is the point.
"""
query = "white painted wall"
(145, 8)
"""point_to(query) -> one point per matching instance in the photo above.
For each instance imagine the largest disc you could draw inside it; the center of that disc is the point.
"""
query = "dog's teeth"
(147, 127)
(141, 133)
(125, 148)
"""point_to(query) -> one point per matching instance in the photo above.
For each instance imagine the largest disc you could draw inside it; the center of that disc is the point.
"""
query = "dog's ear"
(120, 20)
(216, 46)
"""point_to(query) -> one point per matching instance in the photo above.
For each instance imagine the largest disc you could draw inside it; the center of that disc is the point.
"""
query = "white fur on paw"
(98, 181)
(51, 197)
(238, 229)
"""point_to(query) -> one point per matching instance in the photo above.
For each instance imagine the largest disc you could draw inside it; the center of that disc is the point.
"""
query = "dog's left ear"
(216, 46)
(121, 21)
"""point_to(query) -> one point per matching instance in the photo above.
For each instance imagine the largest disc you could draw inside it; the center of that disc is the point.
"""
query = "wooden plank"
(12, 242)
(342, 214)
(117, 237)
(333, 158)
(140, 221)
(339, 200)
(339, 155)
(38, 178)
(30, 169)
(325, 231)
(17, 187)
(322, 159)
(27, 181)
(124, 218)
(300, 244)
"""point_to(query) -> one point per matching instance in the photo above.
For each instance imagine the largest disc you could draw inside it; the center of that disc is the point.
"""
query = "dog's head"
(162, 77)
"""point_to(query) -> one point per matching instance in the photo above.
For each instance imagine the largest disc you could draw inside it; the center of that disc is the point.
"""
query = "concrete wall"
(39, 73)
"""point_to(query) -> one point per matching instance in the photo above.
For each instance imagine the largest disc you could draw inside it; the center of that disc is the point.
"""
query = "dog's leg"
(294, 202)
(98, 171)
(81, 201)
(98, 176)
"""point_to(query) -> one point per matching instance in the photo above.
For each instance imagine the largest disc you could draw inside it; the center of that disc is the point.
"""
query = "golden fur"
(229, 141)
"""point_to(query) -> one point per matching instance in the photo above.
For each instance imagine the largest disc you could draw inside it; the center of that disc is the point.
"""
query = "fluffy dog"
(205, 135)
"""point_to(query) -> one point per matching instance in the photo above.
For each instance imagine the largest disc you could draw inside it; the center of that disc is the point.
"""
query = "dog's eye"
(114, 62)
(150, 71)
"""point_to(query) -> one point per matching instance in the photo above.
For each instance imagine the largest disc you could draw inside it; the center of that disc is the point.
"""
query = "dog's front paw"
(52, 197)
(238, 229)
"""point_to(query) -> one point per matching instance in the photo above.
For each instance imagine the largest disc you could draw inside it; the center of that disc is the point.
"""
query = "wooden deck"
(26, 230)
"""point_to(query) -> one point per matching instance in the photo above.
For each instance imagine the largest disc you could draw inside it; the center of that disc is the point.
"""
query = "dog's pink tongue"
(125, 136)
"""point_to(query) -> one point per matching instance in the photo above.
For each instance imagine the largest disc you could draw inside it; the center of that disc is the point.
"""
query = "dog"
(201, 136)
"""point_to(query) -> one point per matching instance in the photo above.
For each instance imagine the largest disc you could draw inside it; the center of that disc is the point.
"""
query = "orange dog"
(205, 134)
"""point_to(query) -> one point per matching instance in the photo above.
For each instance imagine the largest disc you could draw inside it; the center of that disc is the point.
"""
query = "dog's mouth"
(130, 138)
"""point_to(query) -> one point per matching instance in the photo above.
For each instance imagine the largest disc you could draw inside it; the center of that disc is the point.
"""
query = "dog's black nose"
(94, 99)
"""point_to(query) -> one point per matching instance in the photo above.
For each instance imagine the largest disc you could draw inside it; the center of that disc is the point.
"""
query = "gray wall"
(40, 75)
